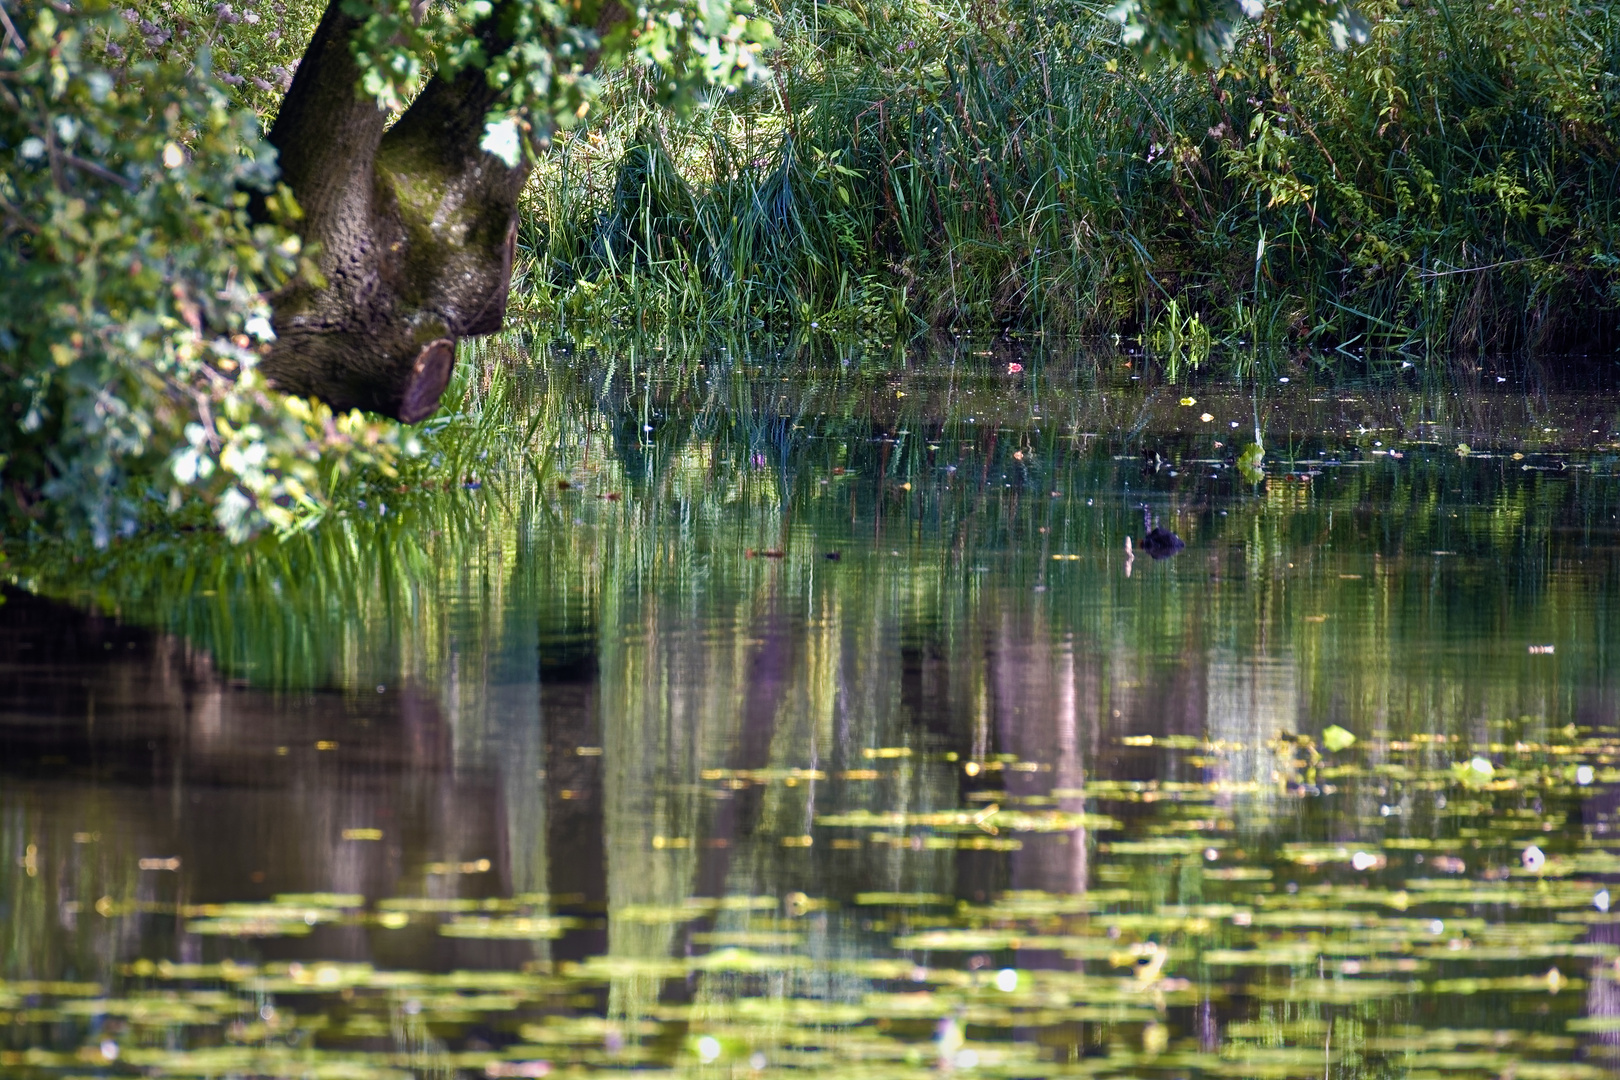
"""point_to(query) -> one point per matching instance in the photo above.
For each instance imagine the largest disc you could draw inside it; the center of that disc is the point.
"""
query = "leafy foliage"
(135, 299)
(543, 54)
(138, 286)
(1202, 33)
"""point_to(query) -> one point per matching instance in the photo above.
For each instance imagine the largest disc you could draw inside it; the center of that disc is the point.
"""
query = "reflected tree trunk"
(1037, 712)
(576, 843)
(768, 673)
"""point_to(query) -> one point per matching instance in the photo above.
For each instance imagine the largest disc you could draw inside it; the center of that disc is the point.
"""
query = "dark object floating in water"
(1161, 543)
(833, 556)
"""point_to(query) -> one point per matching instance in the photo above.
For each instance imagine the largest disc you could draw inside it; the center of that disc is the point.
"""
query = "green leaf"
(1336, 738)
(1473, 774)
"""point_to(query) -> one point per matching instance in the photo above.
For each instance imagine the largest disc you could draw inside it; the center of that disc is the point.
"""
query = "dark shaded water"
(823, 723)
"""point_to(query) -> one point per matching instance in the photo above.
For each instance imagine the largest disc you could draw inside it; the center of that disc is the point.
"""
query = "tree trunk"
(416, 228)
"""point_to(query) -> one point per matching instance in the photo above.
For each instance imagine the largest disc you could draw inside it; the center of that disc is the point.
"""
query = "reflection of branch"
(11, 30)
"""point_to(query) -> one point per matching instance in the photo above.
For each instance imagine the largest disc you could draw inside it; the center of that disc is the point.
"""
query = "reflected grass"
(837, 801)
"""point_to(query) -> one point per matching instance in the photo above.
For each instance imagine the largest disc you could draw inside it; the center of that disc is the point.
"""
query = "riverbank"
(1448, 185)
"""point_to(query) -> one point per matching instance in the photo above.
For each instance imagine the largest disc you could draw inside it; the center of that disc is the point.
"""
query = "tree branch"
(11, 30)
(75, 162)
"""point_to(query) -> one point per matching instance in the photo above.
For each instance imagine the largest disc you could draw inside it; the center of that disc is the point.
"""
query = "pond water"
(748, 716)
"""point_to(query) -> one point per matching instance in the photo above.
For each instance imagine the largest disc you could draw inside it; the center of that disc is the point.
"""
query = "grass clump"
(1447, 184)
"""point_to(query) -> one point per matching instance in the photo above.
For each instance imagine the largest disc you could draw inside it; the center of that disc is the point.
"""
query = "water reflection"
(598, 761)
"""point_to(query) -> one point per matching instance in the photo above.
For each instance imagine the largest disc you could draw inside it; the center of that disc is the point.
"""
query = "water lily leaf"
(1474, 773)
(1336, 738)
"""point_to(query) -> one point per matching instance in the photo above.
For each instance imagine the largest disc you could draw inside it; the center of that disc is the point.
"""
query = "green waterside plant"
(1445, 184)
(134, 308)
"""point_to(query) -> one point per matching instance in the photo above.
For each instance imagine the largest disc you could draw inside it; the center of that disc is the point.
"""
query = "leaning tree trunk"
(416, 228)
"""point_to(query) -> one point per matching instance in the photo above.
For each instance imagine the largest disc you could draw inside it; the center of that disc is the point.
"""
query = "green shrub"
(138, 278)
(135, 296)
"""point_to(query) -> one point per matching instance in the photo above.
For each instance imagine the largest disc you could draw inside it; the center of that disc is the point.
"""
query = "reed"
(1448, 185)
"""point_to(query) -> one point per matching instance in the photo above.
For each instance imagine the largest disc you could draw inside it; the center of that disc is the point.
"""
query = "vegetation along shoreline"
(180, 251)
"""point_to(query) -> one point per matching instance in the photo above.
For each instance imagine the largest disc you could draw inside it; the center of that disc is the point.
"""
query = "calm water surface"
(736, 718)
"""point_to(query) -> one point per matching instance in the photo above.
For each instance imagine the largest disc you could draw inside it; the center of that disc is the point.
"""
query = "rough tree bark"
(416, 228)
